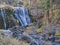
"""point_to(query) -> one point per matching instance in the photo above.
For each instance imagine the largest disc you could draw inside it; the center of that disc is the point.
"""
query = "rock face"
(1, 23)
(33, 5)
(35, 11)
(10, 21)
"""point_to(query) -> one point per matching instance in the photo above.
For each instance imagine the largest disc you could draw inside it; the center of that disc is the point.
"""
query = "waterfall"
(3, 16)
(21, 14)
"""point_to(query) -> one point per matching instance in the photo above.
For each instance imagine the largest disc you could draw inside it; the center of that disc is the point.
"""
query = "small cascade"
(19, 13)
(22, 16)
(3, 16)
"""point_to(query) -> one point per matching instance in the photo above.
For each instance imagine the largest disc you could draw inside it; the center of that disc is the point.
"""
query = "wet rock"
(6, 33)
(17, 31)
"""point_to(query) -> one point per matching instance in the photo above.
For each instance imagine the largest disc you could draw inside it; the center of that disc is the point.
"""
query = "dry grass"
(10, 41)
(47, 43)
(5, 5)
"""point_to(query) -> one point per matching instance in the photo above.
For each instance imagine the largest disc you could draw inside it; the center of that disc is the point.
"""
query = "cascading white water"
(22, 15)
(4, 17)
